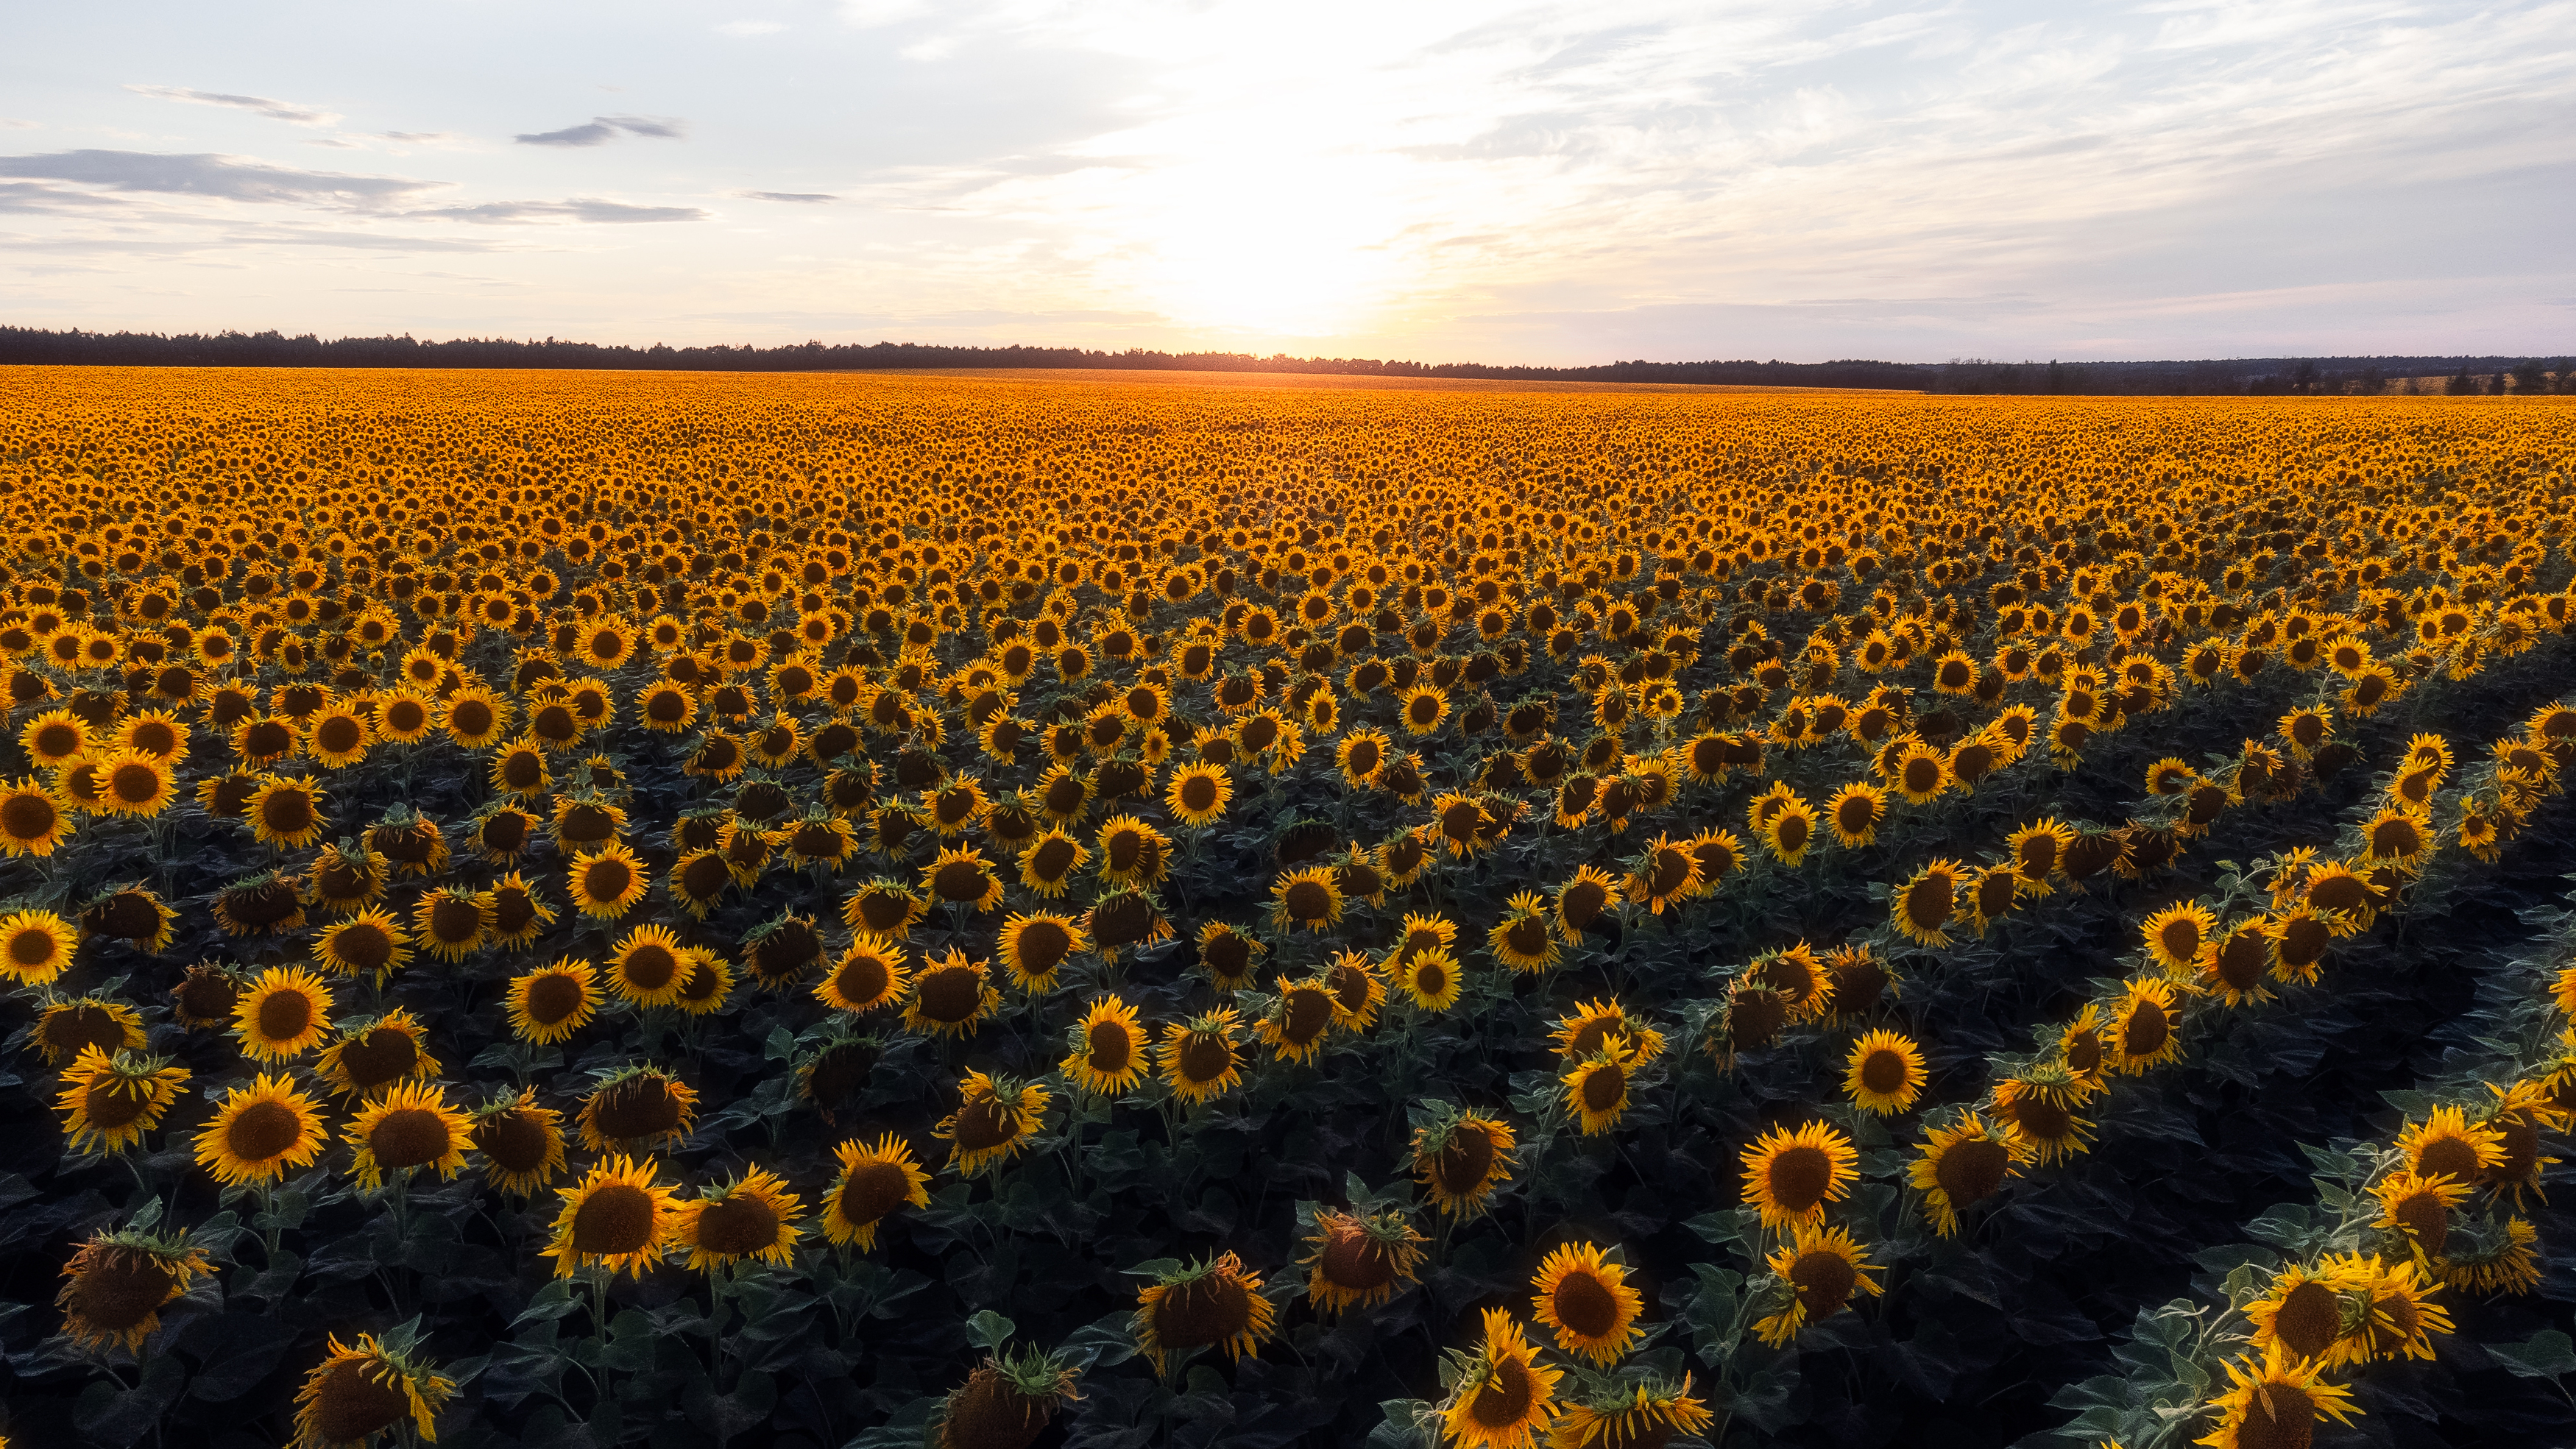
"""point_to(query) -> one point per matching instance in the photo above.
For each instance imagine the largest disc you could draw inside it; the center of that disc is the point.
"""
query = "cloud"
(747, 28)
(28, 197)
(202, 174)
(804, 196)
(579, 208)
(600, 130)
(12, 123)
(275, 110)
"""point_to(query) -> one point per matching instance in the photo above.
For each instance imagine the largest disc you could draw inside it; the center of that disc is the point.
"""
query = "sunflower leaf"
(2547, 1354)
(989, 1330)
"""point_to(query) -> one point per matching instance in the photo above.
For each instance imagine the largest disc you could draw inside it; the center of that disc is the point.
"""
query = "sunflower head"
(876, 1179)
(522, 1143)
(1108, 1056)
(373, 1055)
(1500, 1395)
(750, 1218)
(260, 1131)
(1007, 1400)
(1360, 1259)
(994, 1119)
(1583, 1296)
(35, 948)
(619, 1217)
(1816, 1274)
(117, 1284)
(408, 1126)
(1214, 1303)
(1884, 1072)
(1789, 1176)
(637, 1107)
(1462, 1157)
(2275, 1402)
(110, 1099)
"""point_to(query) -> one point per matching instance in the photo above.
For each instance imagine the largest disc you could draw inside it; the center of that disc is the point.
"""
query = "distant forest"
(2259, 376)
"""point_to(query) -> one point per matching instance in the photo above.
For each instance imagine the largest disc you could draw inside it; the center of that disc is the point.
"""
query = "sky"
(1546, 183)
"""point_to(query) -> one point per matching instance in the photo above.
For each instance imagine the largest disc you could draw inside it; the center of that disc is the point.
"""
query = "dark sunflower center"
(636, 1107)
(1430, 979)
(613, 1218)
(1205, 1057)
(2450, 1157)
(1585, 1304)
(1506, 1397)
(737, 1225)
(959, 880)
(1356, 1262)
(285, 1015)
(607, 880)
(2146, 1031)
(1526, 936)
(1824, 1282)
(986, 1123)
(1582, 902)
(120, 1289)
(515, 1140)
(1799, 1177)
(287, 812)
(951, 994)
(1604, 1083)
(2242, 959)
(1042, 946)
(1201, 1312)
(862, 978)
(1928, 902)
(263, 1130)
(2042, 1119)
(112, 1102)
(409, 1137)
(1198, 793)
(1882, 1072)
(874, 1189)
(28, 817)
(2309, 1319)
(2280, 1416)
(1756, 1017)
(32, 948)
(455, 921)
(382, 1055)
(1972, 1171)
(1308, 900)
(1112, 1047)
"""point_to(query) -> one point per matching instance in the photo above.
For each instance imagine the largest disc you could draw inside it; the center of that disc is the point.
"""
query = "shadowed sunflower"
(1596, 1024)
(66, 1028)
(951, 996)
(1358, 991)
(1617, 1416)
(1666, 874)
(286, 813)
(518, 916)
(32, 820)
(118, 1284)
(1462, 1157)
(264, 904)
(549, 1004)
(1198, 1055)
(636, 1108)
(522, 1144)
(363, 1390)
(1034, 948)
(2145, 1029)
(1309, 899)
(2447, 1145)
(752, 1218)
(963, 878)
(1581, 902)
(1790, 1176)
(1212, 1304)
(260, 1131)
(1961, 1165)
(1596, 1086)
(109, 1100)
(2518, 1114)
(1585, 1298)
(2234, 967)
(1109, 1056)
(1299, 1021)
(204, 997)
(882, 907)
(283, 1014)
(647, 968)
(1501, 1395)
(2275, 1403)
(1927, 904)
(1854, 812)
(2491, 1255)
(373, 1055)
(876, 1178)
(451, 924)
(2300, 1313)
(1884, 1073)
(607, 881)
(2039, 1105)
(370, 944)
(2389, 1314)
(36, 946)
(1522, 940)
(869, 975)
(1360, 1260)
(2039, 853)
(993, 1121)
(1821, 1268)
(410, 1126)
(619, 1217)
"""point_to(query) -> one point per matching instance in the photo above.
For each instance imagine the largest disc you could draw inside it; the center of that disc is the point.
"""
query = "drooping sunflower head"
(1360, 1259)
(1461, 1157)
(1961, 1164)
(2275, 1402)
(118, 1283)
(620, 1217)
(876, 1178)
(750, 1218)
(364, 1389)
(1300, 1020)
(408, 1126)
(635, 1108)
(1596, 1086)
(2038, 1104)
(522, 1143)
(375, 1054)
(111, 1098)
(1818, 1272)
(1214, 1303)
(994, 1120)
(1199, 1056)
(951, 996)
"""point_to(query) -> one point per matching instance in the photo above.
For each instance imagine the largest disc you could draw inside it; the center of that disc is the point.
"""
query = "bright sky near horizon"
(1546, 183)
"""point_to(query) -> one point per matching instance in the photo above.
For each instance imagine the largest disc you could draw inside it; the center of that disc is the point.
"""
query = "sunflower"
(1585, 1299)
(522, 1143)
(65, 1027)
(636, 1108)
(2517, 1114)
(751, 1218)
(1961, 1165)
(2234, 967)
(1109, 1056)
(549, 1004)
(54, 739)
(283, 1014)
(2145, 1029)
(1884, 1073)
(1361, 757)
(1360, 1259)
(1198, 794)
(1501, 1395)
(133, 783)
(963, 878)
(2275, 1402)
(2400, 838)
(1210, 1304)
(876, 1178)
(119, 1282)
(1920, 773)
(994, 1119)
(1300, 1020)
(2038, 1104)
(869, 975)
(1790, 1176)
(1358, 991)
(2301, 1310)
(2447, 1145)
(1522, 940)
(2492, 1256)
(409, 1126)
(884, 908)
(36, 946)
(363, 1390)
(1618, 1415)
(1789, 831)
(2390, 1310)
(1928, 902)
(1821, 1268)
(1596, 1086)
(286, 813)
(619, 1217)
(33, 820)
(1308, 898)
(451, 924)
(260, 1131)
(646, 967)
(1199, 1057)
(109, 1100)
(951, 996)
(1854, 812)
(1581, 901)
(204, 997)
(373, 1055)
(474, 717)
(607, 882)
(1430, 979)
(1462, 1157)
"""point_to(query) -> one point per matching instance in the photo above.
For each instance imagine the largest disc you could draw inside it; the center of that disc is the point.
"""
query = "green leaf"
(2546, 1355)
(989, 1330)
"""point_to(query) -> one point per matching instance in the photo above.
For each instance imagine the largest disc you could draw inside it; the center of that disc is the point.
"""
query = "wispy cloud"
(275, 110)
(600, 130)
(745, 29)
(580, 209)
(224, 177)
(798, 196)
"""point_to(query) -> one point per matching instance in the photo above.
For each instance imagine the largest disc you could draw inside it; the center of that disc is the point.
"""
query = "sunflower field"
(564, 910)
